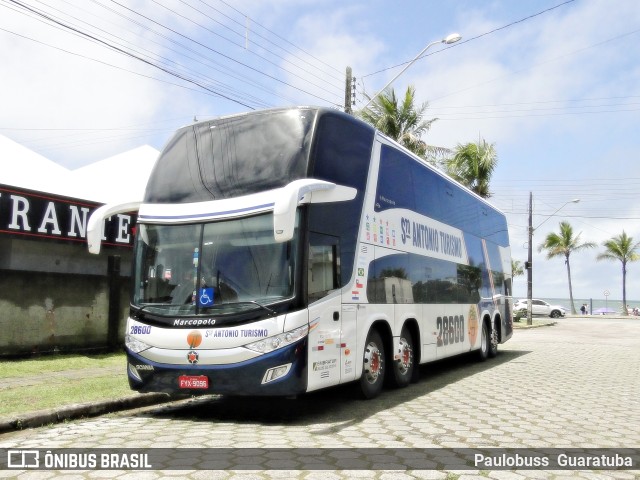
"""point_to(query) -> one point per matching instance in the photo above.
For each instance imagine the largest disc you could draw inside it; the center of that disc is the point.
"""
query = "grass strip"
(59, 363)
(21, 401)
(55, 389)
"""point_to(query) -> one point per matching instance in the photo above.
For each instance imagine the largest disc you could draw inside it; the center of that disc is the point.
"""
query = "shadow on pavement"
(341, 406)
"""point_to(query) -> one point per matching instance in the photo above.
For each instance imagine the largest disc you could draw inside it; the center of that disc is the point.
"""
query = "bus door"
(325, 311)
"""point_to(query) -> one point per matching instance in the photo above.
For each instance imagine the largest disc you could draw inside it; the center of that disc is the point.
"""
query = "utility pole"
(529, 263)
(347, 91)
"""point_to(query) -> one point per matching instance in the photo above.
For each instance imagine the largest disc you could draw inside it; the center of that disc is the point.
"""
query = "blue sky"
(554, 85)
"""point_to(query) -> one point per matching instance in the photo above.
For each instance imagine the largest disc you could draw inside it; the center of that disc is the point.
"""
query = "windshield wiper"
(272, 312)
(249, 302)
(142, 308)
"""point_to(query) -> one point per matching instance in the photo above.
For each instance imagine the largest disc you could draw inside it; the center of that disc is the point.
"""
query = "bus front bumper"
(278, 373)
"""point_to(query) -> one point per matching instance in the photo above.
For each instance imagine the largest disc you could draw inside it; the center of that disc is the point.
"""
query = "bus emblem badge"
(192, 356)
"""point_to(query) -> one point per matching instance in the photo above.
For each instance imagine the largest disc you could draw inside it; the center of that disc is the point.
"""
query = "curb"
(71, 412)
(517, 326)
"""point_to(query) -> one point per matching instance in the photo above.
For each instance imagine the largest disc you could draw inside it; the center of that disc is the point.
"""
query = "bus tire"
(373, 366)
(493, 342)
(483, 353)
(404, 366)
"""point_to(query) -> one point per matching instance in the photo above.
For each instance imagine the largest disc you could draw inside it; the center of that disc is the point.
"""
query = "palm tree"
(563, 244)
(402, 121)
(516, 268)
(473, 164)
(621, 247)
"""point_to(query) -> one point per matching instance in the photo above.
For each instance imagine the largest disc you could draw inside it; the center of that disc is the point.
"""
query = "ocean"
(592, 303)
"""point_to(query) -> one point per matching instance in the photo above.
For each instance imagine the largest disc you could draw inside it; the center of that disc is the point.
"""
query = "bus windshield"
(218, 267)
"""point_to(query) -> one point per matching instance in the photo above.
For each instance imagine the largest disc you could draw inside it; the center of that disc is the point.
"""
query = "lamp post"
(449, 39)
(529, 264)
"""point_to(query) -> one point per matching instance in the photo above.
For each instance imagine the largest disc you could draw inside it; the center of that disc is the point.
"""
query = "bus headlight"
(278, 341)
(135, 345)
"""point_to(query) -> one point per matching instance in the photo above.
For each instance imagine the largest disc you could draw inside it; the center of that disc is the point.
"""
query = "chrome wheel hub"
(372, 363)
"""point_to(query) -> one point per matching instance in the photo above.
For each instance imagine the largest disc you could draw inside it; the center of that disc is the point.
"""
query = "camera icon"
(23, 459)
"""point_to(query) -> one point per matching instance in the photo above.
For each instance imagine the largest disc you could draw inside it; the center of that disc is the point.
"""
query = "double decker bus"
(283, 251)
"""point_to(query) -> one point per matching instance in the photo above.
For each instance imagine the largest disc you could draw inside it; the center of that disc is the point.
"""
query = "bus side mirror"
(307, 190)
(95, 225)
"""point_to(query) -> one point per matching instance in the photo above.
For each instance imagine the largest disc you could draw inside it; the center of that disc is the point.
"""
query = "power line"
(234, 96)
(126, 53)
(474, 38)
(231, 59)
(277, 36)
(538, 102)
(166, 61)
(248, 40)
(109, 64)
(242, 46)
(573, 52)
(548, 114)
(208, 62)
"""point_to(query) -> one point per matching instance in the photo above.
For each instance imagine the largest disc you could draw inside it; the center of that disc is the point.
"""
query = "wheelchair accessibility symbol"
(205, 297)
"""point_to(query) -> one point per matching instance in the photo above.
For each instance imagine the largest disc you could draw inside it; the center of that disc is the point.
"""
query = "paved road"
(576, 384)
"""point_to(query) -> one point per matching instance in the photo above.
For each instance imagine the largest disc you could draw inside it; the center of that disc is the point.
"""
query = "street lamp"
(449, 39)
(529, 264)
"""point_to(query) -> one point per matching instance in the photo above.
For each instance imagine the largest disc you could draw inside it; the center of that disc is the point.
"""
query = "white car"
(540, 307)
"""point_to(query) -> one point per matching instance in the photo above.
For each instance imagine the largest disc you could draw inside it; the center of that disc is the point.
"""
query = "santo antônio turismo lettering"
(229, 333)
(430, 238)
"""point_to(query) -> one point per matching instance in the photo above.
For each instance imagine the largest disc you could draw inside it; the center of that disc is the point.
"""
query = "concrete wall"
(55, 297)
(56, 312)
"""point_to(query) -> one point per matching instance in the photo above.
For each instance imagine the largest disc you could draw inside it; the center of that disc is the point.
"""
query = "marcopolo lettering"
(194, 322)
(26, 213)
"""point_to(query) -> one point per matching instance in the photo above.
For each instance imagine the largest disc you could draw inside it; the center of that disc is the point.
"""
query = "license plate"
(199, 381)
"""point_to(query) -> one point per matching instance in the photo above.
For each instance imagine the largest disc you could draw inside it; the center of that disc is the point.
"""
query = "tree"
(563, 244)
(394, 273)
(517, 268)
(621, 247)
(472, 165)
(401, 121)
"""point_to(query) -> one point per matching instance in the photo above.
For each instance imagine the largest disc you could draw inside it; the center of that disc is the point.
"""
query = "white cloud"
(568, 54)
(56, 91)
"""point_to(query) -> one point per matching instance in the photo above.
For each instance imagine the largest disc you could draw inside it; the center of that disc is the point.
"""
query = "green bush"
(518, 314)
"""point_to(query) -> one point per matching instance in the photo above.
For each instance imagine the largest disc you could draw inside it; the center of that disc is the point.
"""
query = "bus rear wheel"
(483, 353)
(493, 341)
(373, 366)
(403, 367)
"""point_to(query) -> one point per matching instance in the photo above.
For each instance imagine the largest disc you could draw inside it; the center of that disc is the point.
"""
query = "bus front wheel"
(373, 366)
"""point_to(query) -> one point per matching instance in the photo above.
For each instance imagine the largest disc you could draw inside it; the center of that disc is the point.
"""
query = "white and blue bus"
(283, 251)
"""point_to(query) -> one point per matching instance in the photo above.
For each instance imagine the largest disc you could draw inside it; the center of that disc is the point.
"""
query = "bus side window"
(323, 266)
